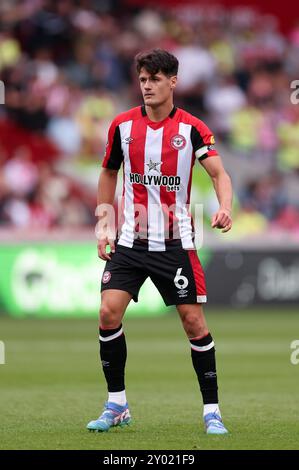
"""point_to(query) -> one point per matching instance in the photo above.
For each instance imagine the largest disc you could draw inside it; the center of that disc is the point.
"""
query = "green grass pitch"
(51, 384)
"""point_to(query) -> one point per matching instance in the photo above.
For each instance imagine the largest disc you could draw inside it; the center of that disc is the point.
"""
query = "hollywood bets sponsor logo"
(178, 142)
(106, 277)
(172, 183)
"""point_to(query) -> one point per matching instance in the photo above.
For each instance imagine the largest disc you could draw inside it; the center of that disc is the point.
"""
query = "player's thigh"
(113, 306)
(178, 276)
(192, 317)
(125, 272)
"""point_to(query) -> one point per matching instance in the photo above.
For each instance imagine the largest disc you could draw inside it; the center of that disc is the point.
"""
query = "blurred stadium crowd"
(67, 67)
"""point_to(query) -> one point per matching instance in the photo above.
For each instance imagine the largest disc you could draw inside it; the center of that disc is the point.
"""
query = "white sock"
(211, 408)
(118, 397)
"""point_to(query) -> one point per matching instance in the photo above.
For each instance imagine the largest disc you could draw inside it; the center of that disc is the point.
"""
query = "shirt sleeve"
(202, 141)
(113, 157)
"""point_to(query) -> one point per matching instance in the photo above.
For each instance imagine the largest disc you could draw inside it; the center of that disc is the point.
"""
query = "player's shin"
(204, 363)
(113, 354)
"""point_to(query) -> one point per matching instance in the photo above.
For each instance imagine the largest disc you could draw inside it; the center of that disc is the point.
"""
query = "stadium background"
(67, 71)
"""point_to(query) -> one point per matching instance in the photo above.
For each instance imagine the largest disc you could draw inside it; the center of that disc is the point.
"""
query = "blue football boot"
(113, 415)
(214, 424)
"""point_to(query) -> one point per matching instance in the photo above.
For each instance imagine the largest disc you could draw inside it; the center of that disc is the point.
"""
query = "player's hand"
(102, 243)
(222, 219)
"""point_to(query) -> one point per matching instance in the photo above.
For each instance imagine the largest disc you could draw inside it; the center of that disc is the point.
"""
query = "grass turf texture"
(51, 385)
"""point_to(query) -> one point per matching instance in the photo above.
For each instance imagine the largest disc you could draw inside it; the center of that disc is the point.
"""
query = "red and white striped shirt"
(158, 159)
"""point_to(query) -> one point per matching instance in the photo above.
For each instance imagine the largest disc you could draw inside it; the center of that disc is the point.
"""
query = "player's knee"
(109, 316)
(194, 326)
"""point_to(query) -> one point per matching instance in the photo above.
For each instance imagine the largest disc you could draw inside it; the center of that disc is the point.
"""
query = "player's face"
(156, 89)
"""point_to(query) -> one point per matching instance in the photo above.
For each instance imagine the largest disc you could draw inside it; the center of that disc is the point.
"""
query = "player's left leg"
(179, 277)
(204, 363)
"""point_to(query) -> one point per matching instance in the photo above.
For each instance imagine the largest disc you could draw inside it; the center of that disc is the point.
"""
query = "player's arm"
(223, 188)
(203, 145)
(106, 192)
(105, 199)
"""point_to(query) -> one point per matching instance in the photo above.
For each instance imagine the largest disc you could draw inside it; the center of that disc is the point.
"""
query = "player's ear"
(173, 81)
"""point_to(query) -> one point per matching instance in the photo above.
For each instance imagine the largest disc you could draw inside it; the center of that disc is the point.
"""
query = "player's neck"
(160, 112)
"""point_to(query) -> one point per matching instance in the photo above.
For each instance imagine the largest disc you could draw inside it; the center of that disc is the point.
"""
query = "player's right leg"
(113, 353)
(122, 278)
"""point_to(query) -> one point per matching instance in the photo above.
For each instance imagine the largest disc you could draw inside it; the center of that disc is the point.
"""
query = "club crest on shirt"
(106, 277)
(178, 142)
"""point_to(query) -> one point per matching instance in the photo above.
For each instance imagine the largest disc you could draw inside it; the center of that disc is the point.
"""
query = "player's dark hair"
(157, 60)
